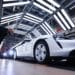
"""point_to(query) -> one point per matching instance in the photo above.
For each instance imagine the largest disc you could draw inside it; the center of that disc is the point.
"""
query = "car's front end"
(9, 54)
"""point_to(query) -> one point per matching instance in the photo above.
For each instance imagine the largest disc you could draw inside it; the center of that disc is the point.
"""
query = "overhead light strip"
(44, 29)
(60, 23)
(18, 14)
(43, 8)
(32, 18)
(46, 4)
(54, 3)
(9, 21)
(31, 15)
(10, 18)
(49, 27)
(63, 20)
(16, 4)
(67, 17)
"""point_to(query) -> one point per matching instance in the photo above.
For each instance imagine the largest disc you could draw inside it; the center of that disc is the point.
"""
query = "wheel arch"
(72, 52)
(44, 42)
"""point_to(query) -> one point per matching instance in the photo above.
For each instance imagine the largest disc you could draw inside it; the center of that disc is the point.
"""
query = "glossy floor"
(10, 67)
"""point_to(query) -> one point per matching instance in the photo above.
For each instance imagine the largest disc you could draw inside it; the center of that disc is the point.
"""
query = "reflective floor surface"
(12, 67)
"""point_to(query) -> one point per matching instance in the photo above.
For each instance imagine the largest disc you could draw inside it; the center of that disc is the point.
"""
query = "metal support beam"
(24, 13)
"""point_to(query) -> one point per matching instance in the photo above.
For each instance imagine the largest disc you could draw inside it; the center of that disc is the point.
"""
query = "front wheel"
(41, 52)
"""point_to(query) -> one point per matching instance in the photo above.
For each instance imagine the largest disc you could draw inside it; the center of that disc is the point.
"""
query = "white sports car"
(45, 47)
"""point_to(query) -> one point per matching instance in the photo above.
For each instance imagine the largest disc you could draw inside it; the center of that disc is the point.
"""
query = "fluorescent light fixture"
(16, 4)
(46, 4)
(54, 3)
(49, 27)
(67, 17)
(30, 20)
(43, 8)
(44, 29)
(10, 18)
(18, 14)
(60, 23)
(9, 21)
(63, 20)
(39, 19)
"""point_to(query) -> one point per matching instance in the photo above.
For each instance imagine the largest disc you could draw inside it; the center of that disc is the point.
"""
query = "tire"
(41, 52)
(71, 58)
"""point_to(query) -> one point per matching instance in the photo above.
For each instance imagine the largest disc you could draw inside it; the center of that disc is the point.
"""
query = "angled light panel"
(33, 16)
(67, 17)
(14, 17)
(49, 27)
(44, 29)
(46, 4)
(16, 4)
(35, 20)
(43, 8)
(63, 20)
(30, 20)
(54, 3)
(18, 14)
(60, 23)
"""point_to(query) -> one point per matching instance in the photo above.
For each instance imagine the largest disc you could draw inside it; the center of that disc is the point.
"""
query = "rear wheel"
(41, 52)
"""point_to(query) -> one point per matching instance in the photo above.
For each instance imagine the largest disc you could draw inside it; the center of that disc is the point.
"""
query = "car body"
(55, 46)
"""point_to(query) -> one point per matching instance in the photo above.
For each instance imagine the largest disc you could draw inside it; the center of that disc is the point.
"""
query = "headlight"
(11, 52)
(5, 54)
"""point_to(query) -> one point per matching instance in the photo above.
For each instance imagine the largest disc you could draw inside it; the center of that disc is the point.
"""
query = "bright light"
(67, 17)
(18, 14)
(13, 18)
(49, 27)
(46, 4)
(31, 18)
(59, 22)
(10, 20)
(39, 19)
(16, 4)
(64, 21)
(11, 52)
(4, 54)
(41, 7)
(44, 29)
(54, 3)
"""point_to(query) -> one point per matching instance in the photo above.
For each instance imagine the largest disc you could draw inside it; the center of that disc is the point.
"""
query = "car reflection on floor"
(12, 67)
